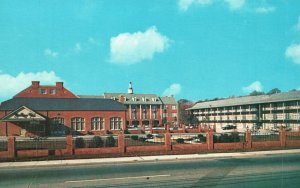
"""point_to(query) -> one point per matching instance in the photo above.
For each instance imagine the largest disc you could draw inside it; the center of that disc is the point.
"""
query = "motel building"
(268, 112)
(54, 111)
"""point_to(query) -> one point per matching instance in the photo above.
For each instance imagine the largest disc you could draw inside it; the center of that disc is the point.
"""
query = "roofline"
(246, 103)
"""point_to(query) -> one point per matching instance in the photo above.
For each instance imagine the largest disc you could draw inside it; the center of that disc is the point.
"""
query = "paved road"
(265, 171)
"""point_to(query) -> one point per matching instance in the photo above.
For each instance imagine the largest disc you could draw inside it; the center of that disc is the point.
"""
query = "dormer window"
(42, 91)
(52, 91)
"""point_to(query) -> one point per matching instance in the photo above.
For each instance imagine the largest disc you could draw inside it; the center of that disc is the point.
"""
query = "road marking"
(123, 178)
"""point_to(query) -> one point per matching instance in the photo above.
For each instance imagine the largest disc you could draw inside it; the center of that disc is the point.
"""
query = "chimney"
(35, 84)
(59, 85)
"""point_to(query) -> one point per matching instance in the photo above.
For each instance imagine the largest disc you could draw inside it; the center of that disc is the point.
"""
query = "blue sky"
(194, 49)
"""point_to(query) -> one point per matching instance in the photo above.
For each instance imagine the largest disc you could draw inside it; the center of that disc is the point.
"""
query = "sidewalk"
(144, 158)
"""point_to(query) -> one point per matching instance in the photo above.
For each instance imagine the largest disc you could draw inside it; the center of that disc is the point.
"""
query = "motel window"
(115, 123)
(97, 123)
(78, 123)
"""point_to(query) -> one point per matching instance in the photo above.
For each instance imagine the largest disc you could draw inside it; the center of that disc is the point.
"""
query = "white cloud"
(173, 89)
(255, 86)
(50, 53)
(185, 4)
(10, 85)
(265, 10)
(130, 48)
(235, 4)
(293, 52)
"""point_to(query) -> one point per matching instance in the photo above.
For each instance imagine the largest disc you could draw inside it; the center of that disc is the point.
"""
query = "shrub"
(224, 138)
(227, 138)
(202, 138)
(97, 142)
(215, 139)
(142, 139)
(79, 142)
(126, 131)
(235, 137)
(149, 136)
(180, 140)
(110, 141)
(134, 137)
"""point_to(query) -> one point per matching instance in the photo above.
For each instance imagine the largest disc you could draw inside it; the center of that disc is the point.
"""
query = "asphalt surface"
(281, 170)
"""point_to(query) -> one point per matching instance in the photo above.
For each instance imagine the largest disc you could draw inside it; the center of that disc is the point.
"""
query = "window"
(42, 91)
(115, 123)
(133, 114)
(165, 115)
(154, 114)
(97, 123)
(173, 107)
(52, 91)
(144, 114)
(58, 120)
(57, 126)
(78, 124)
(174, 114)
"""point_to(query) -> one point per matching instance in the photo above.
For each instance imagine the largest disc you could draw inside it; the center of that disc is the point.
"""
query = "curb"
(144, 159)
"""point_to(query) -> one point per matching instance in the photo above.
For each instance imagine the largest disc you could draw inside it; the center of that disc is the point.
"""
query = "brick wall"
(121, 148)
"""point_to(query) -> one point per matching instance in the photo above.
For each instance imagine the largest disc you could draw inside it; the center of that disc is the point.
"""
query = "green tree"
(255, 93)
(185, 116)
(273, 91)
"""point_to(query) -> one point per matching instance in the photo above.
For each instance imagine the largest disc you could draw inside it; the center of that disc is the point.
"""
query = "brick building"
(144, 110)
(263, 111)
(54, 110)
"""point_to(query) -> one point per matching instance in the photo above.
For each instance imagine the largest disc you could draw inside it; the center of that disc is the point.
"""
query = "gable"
(23, 114)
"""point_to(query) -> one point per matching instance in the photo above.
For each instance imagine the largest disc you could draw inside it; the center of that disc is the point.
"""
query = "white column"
(161, 112)
(140, 111)
(150, 113)
(130, 111)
